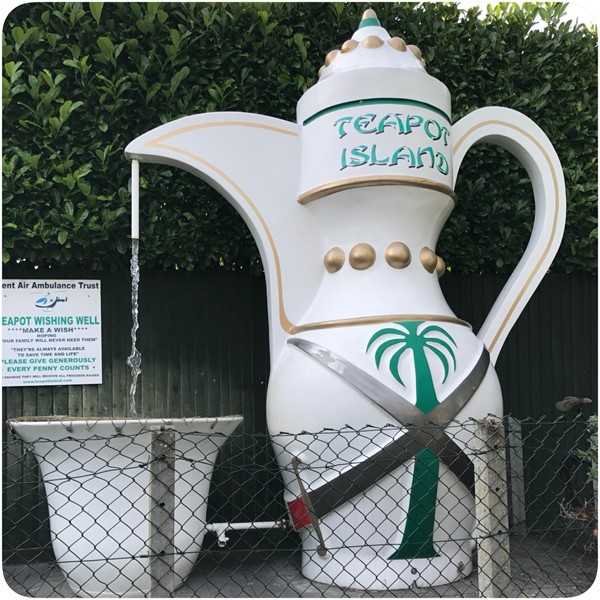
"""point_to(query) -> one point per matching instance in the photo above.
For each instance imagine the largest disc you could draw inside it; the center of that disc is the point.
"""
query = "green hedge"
(82, 80)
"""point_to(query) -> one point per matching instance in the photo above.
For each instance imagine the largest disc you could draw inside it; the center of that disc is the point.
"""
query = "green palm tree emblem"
(417, 541)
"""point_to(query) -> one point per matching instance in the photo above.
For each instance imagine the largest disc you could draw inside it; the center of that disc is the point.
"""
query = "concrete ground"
(539, 569)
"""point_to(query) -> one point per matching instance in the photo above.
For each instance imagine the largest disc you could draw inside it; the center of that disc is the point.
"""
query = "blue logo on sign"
(48, 301)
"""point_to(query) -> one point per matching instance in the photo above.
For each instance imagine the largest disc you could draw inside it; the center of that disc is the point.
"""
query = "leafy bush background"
(80, 81)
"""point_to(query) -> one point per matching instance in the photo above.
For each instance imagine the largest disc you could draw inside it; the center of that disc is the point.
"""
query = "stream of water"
(134, 360)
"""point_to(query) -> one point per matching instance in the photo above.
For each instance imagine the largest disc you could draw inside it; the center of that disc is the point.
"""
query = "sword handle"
(314, 521)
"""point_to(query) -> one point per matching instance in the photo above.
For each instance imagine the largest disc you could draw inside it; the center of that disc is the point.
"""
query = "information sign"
(51, 332)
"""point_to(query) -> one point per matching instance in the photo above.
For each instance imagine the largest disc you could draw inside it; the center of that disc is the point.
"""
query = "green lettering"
(361, 123)
(374, 159)
(401, 128)
(445, 133)
(340, 125)
(413, 121)
(360, 156)
(403, 153)
(344, 163)
(442, 165)
(389, 121)
(429, 152)
(436, 134)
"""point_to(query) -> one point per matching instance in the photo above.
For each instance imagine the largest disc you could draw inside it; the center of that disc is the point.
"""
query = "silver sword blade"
(393, 403)
(430, 433)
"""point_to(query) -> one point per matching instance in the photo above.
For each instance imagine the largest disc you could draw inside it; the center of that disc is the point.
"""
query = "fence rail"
(125, 514)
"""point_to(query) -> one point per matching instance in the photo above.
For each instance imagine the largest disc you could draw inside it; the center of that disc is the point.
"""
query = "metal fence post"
(491, 510)
(516, 476)
(162, 512)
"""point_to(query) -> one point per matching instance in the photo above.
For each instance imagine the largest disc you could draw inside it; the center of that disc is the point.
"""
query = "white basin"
(96, 474)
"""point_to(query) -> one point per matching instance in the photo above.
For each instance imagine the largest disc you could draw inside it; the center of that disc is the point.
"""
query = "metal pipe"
(135, 199)
(214, 527)
(221, 528)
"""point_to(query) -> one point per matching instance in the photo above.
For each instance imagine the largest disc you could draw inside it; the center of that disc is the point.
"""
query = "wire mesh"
(371, 512)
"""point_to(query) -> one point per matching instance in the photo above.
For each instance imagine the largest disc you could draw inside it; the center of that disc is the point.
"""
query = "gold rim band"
(375, 319)
(374, 180)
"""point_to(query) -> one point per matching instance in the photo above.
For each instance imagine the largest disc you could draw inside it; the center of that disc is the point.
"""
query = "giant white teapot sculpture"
(346, 206)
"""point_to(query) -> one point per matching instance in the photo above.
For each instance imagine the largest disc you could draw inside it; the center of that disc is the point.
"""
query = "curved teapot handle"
(524, 139)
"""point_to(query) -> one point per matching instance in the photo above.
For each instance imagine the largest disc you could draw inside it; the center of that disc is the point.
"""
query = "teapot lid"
(372, 46)
(373, 64)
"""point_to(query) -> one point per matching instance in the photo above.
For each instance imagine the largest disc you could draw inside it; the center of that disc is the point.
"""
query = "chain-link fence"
(496, 507)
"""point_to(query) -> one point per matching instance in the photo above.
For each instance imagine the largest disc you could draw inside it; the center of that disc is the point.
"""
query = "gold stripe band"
(375, 319)
(197, 126)
(374, 180)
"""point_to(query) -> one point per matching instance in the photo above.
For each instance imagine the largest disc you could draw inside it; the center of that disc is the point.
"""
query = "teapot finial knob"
(369, 19)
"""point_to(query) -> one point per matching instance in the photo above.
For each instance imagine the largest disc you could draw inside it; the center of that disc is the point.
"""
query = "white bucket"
(97, 476)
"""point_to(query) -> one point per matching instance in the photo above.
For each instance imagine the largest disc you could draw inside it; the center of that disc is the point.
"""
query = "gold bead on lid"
(330, 57)
(348, 46)
(397, 44)
(370, 47)
(372, 41)
(415, 50)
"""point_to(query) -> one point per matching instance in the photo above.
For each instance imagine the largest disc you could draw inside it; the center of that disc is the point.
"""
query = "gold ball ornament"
(362, 256)
(334, 260)
(372, 41)
(428, 258)
(348, 46)
(331, 57)
(415, 50)
(397, 255)
(440, 267)
(397, 44)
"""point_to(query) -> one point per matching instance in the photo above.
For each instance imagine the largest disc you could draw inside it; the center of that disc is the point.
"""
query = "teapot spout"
(253, 162)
